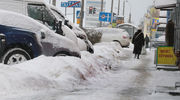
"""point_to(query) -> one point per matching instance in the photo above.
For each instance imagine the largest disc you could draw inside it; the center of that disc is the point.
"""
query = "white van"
(49, 16)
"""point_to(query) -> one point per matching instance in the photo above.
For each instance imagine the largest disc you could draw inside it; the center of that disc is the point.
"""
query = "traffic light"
(90, 10)
(94, 10)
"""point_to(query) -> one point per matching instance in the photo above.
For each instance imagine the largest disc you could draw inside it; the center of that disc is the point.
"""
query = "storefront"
(173, 8)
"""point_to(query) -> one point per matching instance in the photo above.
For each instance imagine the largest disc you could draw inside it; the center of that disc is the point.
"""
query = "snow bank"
(49, 73)
(16, 81)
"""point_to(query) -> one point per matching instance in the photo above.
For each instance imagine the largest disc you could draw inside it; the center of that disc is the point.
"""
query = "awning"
(165, 4)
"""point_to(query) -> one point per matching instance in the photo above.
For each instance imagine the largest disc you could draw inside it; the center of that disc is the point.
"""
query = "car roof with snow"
(111, 30)
(127, 24)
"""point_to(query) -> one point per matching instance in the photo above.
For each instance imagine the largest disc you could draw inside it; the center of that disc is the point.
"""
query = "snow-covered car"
(160, 41)
(23, 38)
(84, 43)
(114, 34)
(49, 16)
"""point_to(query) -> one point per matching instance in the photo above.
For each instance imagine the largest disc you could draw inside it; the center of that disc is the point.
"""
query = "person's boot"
(135, 55)
(138, 56)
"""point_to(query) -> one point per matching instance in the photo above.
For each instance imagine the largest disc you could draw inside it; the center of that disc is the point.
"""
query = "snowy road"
(129, 79)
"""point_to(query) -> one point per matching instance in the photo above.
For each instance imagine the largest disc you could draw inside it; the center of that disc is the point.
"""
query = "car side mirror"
(59, 28)
(43, 36)
(66, 23)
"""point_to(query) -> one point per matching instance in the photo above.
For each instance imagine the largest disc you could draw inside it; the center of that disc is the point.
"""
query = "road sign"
(77, 14)
(104, 16)
(64, 4)
(76, 4)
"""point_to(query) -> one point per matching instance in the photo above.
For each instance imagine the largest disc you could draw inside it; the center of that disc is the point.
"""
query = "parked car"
(114, 34)
(78, 31)
(49, 16)
(160, 41)
(23, 38)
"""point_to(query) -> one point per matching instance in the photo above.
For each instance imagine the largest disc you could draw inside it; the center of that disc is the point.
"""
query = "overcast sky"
(138, 8)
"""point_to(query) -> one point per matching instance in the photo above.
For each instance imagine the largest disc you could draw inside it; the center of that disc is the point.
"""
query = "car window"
(42, 14)
(57, 14)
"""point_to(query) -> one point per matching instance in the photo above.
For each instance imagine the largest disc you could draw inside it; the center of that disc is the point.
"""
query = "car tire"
(15, 56)
(118, 42)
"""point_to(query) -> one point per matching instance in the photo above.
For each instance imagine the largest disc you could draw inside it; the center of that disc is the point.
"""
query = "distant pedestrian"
(147, 41)
(170, 33)
(138, 41)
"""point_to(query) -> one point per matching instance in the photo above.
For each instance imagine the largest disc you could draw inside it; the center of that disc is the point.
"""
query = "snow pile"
(109, 55)
(14, 81)
(93, 35)
(49, 73)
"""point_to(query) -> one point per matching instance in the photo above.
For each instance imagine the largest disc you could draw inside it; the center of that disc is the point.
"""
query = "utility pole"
(118, 7)
(112, 2)
(129, 21)
(54, 2)
(74, 14)
(65, 11)
(82, 14)
(123, 7)
(102, 2)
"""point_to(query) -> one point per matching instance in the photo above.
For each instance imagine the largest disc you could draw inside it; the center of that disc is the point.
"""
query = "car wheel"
(118, 42)
(15, 56)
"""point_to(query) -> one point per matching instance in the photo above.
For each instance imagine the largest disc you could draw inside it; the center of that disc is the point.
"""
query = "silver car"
(114, 34)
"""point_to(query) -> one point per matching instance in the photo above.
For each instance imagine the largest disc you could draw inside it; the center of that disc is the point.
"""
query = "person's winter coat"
(170, 33)
(138, 41)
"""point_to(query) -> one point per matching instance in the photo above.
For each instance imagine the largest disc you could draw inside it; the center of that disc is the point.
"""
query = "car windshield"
(42, 14)
(57, 14)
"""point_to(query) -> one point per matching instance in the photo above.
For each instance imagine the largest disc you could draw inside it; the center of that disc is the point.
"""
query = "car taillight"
(124, 37)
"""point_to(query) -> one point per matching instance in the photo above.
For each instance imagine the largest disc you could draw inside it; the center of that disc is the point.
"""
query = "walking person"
(138, 41)
(147, 41)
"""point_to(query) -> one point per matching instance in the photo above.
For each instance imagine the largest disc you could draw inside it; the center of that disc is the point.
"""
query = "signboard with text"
(165, 56)
(76, 4)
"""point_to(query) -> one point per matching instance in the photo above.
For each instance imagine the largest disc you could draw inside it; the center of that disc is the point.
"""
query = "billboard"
(165, 56)
(119, 20)
(155, 22)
